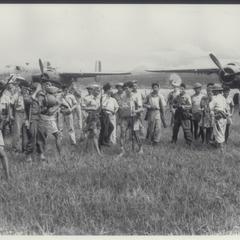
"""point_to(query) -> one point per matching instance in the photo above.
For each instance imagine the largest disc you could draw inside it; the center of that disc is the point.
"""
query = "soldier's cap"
(197, 85)
(95, 86)
(217, 87)
(119, 84)
(134, 81)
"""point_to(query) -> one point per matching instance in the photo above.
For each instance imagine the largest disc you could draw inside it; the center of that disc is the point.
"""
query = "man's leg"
(157, 131)
(186, 125)
(70, 127)
(176, 126)
(4, 160)
(227, 132)
(195, 127)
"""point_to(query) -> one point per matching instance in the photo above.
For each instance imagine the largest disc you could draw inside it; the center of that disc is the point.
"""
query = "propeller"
(225, 74)
(215, 60)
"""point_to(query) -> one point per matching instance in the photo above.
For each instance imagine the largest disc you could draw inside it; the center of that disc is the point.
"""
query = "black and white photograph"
(119, 119)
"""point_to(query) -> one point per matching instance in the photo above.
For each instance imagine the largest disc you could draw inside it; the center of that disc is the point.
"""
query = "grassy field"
(170, 189)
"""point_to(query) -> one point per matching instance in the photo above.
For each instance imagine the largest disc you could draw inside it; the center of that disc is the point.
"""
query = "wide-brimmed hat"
(119, 84)
(197, 85)
(216, 87)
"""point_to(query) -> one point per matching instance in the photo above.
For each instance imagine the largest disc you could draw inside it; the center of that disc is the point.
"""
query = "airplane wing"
(91, 74)
(201, 70)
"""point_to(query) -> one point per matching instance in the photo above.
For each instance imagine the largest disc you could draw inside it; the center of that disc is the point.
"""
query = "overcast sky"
(124, 37)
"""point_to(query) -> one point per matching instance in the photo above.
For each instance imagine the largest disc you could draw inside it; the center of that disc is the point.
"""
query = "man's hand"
(27, 124)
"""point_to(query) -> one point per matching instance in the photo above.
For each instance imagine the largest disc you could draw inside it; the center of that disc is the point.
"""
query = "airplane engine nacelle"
(228, 78)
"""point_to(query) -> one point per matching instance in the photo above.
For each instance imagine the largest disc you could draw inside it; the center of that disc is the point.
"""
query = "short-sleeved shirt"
(196, 99)
(218, 103)
(109, 104)
(69, 100)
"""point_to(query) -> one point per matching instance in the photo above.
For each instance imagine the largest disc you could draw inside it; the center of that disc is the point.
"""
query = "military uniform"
(182, 117)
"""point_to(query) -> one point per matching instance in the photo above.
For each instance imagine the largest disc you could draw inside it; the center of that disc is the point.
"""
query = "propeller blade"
(41, 66)
(215, 60)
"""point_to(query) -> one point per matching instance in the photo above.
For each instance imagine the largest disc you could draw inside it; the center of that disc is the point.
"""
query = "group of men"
(206, 116)
(32, 112)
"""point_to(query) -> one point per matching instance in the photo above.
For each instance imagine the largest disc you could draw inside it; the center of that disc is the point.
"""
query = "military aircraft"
(46, 71)
(228, 75)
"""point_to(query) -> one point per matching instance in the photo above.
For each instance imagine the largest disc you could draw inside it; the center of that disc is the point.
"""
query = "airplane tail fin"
(98, 68)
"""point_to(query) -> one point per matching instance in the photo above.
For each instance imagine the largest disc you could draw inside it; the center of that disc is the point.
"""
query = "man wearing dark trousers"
(182, 117)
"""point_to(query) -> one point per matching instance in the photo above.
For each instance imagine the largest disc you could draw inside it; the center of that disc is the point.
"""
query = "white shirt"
(218, 103)
(109, 103)
(139, 97)
(196, 99)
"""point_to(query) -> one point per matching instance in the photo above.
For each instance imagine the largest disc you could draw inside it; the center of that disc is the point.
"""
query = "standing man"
(196, 109)
(139, 98)
(78, 110)
(182, 117)
(218, 108)
(171, 96)
(68, 105)
(129, 118)
(19, 114)
(93, 124)
(119, 98)
(230, 110)
(154, 115)
(108, 117)
(3, 156)
(205, 124)
(49, 107)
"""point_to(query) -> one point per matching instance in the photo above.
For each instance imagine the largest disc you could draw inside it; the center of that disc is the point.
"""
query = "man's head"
(107, 88)
(217, 89)
(209, 89)
(197, 88)
(89, 89)
(119, 87)
(182, 88)
(226, 91)
(155, 87)
(96, 90)
(135, 85)
(128, 88)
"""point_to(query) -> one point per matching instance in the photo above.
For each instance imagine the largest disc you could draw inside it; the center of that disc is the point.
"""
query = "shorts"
(48, 126)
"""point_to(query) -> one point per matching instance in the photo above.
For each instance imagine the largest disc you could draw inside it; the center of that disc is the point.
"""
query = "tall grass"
(171, 189)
